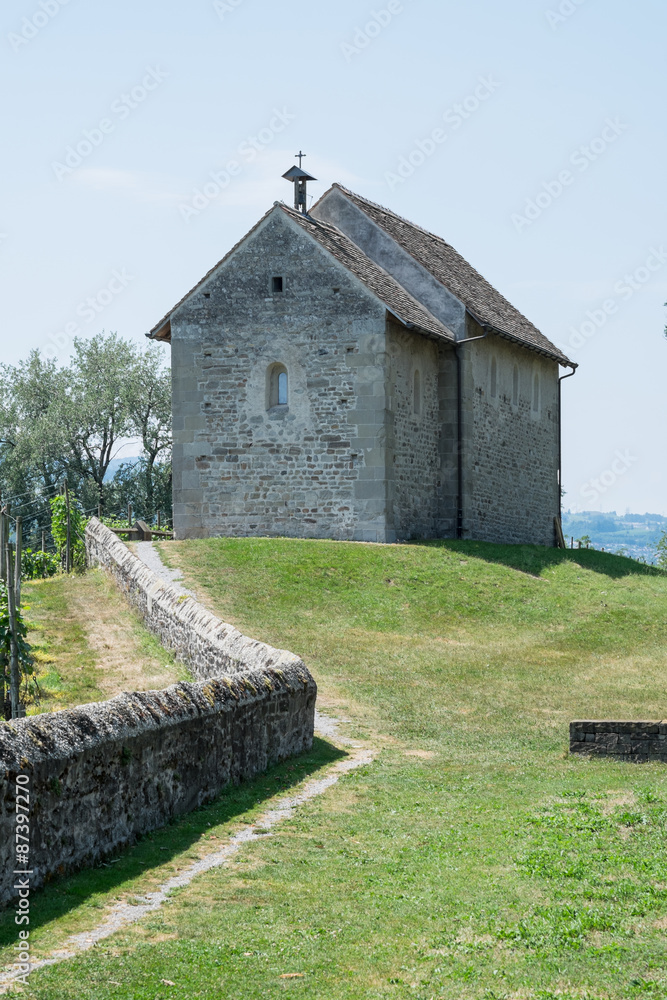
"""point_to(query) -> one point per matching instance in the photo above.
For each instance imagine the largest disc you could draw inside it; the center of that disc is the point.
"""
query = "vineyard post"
(14, 674)
(3, 542)
(43, 541)
(17, 563)
(3, 661)
(129, 515)
(68, 551)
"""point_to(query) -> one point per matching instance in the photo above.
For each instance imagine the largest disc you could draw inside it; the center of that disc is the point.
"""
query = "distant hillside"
(634, 534)
(115, 464)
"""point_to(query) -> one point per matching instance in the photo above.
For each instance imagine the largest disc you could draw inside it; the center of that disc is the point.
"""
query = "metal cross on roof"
(301, 156)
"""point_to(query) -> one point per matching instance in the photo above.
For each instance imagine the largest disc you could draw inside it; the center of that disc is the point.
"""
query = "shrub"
(39, 565)
(77, 523)
(29, 686)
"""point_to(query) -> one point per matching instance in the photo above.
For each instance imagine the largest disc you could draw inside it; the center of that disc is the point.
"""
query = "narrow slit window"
(417, 394)
(277, 285)
(515, 386)
(494, 378)
(277, 386)
(282, 389)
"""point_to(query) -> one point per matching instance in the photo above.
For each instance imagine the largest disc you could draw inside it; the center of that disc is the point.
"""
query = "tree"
(33, 450)
(129, 485)
(93, 413)
(661, 551)
(68, 422)
(149, 405)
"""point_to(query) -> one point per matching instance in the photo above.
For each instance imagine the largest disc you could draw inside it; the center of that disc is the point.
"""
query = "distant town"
(634, 535)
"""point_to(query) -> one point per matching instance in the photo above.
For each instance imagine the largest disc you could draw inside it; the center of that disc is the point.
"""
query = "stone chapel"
(342, 373)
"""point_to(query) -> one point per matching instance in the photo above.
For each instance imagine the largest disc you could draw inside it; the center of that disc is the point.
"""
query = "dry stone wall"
(101, 774)
(639, 742)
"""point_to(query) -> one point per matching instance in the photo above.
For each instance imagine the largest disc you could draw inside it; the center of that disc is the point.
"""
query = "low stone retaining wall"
(633, 741)
(99, 775)
(208, 646)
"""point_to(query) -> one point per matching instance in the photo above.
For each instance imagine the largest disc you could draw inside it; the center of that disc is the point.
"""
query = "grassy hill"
(474, 859)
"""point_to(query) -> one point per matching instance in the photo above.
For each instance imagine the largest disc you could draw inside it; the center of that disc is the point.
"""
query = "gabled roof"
(482, 300)
(397, 301)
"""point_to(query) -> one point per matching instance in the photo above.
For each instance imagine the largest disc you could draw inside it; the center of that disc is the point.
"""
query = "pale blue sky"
(220, 76)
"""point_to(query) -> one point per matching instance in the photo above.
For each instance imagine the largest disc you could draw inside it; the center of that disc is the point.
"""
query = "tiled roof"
(399, 302)
(448, 267)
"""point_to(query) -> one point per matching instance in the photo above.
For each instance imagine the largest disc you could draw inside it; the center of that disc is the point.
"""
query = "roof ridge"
(389, 211)
(503, 313)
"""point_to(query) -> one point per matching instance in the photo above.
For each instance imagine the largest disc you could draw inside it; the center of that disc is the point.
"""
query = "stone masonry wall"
(639, 742)
(511, 489)
(315, 467)
(413, 439)
(101, 774)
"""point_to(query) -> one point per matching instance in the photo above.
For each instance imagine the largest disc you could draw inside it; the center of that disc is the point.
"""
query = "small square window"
(277, 286)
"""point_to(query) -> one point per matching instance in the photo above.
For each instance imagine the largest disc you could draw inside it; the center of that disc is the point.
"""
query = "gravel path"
(124, 915)
(151, 557)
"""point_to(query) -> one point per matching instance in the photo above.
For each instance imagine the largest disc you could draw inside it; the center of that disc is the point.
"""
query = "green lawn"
(475, 858)
(88, 644)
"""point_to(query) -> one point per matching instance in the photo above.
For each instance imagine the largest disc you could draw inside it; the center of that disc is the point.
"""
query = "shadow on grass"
(154, 849)
(534, 559)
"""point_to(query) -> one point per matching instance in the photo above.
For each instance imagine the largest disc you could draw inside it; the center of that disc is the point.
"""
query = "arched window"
(494, 378)
(417, 393)
(277, 386)
(515, 386)
(536, 393)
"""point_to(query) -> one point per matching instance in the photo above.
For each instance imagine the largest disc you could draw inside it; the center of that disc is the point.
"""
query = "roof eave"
(433, 334)
(162, 331)
(552, 355)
